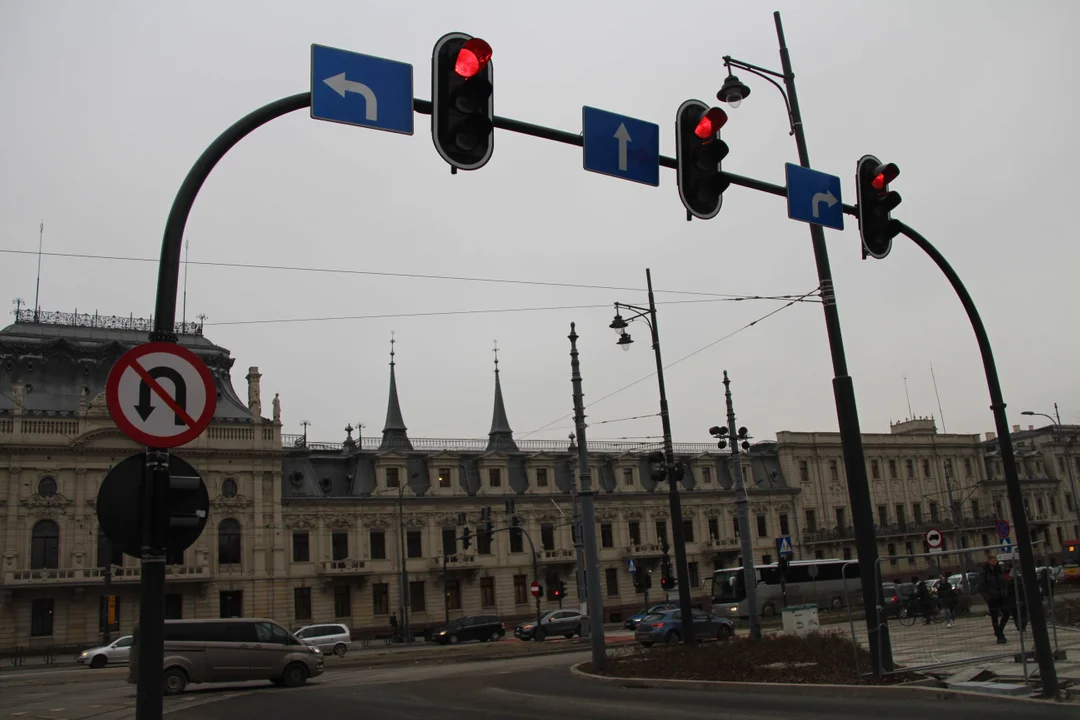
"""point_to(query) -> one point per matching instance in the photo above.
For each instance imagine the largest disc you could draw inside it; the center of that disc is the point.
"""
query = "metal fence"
(926, 637)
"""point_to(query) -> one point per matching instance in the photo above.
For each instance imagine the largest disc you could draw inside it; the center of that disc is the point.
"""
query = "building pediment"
(238, 502)
(390, 456)
(494, 457)
(53, 502)
(541, 458)
(299, 522)
(101, 437)
(442, 455)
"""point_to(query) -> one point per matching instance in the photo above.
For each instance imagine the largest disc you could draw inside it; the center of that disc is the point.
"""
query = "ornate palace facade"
(308, 532)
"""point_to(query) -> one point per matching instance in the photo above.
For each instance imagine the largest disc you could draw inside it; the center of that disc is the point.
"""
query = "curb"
(873, 692)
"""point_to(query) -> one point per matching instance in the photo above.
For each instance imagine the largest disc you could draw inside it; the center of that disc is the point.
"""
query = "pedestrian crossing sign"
(783, 546)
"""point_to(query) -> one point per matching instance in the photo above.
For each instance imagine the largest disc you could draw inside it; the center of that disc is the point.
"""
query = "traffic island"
(817, 658)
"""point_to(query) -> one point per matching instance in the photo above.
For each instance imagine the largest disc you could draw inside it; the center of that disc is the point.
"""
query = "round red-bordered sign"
(145, 410)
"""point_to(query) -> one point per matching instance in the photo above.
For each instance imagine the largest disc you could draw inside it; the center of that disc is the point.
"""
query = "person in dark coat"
(924, 602)
(949, 599)
(995, 590)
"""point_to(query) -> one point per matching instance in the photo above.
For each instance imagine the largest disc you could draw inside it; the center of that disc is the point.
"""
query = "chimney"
(991, 436)
(254, 399)
(1016, 428)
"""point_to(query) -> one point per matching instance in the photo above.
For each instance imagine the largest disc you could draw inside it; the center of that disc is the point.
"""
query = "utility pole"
(403, 596)
(742, 512)
(106, 637)
(579, 546)
(588, 513)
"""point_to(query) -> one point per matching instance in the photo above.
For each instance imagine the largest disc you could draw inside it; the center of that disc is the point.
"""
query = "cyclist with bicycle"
(924, 602)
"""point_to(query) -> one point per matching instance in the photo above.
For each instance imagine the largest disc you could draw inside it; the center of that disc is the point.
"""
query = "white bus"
(806, 581)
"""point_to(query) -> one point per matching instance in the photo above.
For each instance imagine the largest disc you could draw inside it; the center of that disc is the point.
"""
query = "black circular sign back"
(119, 509)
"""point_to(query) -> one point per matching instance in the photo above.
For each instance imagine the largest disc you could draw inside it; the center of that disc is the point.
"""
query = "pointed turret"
(394, 436)
(501, 437)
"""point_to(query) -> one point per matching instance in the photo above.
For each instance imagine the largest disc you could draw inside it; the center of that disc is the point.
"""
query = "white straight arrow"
(623, 137)
(825, 197)
(371, 104)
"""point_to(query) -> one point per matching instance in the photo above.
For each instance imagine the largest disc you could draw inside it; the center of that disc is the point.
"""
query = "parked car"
(567, 623)
(329, 638)
(965, 583)
(666, 627)
(632, 622)
(231, 650)
(115, 653)
(485, 628)
(894, 600)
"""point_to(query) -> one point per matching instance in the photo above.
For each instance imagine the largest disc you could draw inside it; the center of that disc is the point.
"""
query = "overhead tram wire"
(376, 273)
(676, 362)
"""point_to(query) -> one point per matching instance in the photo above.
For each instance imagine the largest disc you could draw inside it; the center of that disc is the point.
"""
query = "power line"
(475, 311)
(416, 276)
(685, 357)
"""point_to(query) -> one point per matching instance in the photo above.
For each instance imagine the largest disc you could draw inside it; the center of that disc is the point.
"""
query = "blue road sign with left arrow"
(620, 146)
(814, 197)
(355, 89)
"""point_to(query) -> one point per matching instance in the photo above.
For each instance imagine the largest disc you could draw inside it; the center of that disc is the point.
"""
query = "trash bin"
(801, 620)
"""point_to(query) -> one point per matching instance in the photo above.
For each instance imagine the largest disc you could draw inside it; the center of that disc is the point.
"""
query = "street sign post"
(155, 414)
(814, 197)
(1002, 528)
(355, 89)
(120, 511)
(620, 146)
(783, 546)
(934, 539)
(534, 589)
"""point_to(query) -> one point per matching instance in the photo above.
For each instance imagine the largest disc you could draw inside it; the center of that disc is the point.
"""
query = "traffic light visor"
(710, 123)
(884, 175)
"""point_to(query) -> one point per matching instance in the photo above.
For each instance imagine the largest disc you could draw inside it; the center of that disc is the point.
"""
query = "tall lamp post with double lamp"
(734, 92)
(619, 325)
(1068, 439)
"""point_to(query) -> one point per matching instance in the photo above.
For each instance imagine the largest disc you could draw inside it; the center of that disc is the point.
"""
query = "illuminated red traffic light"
(472, 58)
(886, 174)
(710, 123)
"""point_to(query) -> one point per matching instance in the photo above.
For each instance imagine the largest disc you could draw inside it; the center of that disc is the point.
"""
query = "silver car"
(116, 653)
(329, 638)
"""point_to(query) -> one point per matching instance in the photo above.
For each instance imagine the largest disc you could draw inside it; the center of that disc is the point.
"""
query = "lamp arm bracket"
(765, 74)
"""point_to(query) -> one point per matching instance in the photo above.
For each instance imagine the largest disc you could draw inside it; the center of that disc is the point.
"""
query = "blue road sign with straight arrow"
(814, 197)
(620, 146)
(356, 89)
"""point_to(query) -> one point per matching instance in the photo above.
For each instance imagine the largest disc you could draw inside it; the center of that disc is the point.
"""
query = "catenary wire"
(417, 276)
(673, 364)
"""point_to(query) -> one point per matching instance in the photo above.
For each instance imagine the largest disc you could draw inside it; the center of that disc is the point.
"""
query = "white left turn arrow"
(341, 86)
(825, 197)
(623, 137)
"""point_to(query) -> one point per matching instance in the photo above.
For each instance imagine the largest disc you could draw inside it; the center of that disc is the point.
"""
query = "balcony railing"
(558, 555)
(721, 543)
(457, 560)
(289, 441)
(643, 550)
(96, 576)
(343, 567)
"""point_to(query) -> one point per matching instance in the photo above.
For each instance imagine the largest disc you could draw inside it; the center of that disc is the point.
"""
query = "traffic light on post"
(463, 101)
(698, 153)
(466, 538)
(876, 202)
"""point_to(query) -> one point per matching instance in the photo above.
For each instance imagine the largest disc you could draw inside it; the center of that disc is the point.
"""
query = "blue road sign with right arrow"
(355, 89)
(814, 197)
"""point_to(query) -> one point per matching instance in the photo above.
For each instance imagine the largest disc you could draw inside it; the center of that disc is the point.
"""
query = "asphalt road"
(527, 688)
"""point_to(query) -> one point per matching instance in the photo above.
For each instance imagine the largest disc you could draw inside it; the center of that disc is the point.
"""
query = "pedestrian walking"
(923, 601)
(949, 598)
(995, 590)
(393, 626)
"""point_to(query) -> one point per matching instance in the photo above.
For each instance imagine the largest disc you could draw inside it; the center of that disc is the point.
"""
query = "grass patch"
(819, 658)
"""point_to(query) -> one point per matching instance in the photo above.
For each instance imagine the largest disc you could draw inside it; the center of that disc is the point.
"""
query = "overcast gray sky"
(107, 105)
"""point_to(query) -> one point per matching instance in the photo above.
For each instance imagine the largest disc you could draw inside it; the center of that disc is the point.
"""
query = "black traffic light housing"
(667, 583)
(876, 202)
(463, 101)
(466, 538)
(698, 153)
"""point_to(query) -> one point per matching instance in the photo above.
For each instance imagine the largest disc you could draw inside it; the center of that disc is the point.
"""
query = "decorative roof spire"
(501, 437)
(394, 436)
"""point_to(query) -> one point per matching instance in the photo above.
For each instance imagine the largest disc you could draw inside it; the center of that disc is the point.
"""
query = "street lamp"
(733, 91)
(670, 471)
(741, 439)
(1056, 420)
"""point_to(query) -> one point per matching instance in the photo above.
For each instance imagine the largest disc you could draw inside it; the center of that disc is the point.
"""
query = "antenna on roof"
(941, 413)
(187, 257)
(37, 289)
(910, 414)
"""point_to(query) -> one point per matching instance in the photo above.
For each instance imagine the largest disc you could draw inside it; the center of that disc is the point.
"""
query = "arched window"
(229, 542)
(45, 545)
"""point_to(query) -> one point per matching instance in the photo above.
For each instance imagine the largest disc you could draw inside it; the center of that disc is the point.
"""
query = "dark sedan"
(666, 627)
(485, 628)
(632, 621)
(567, 623)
